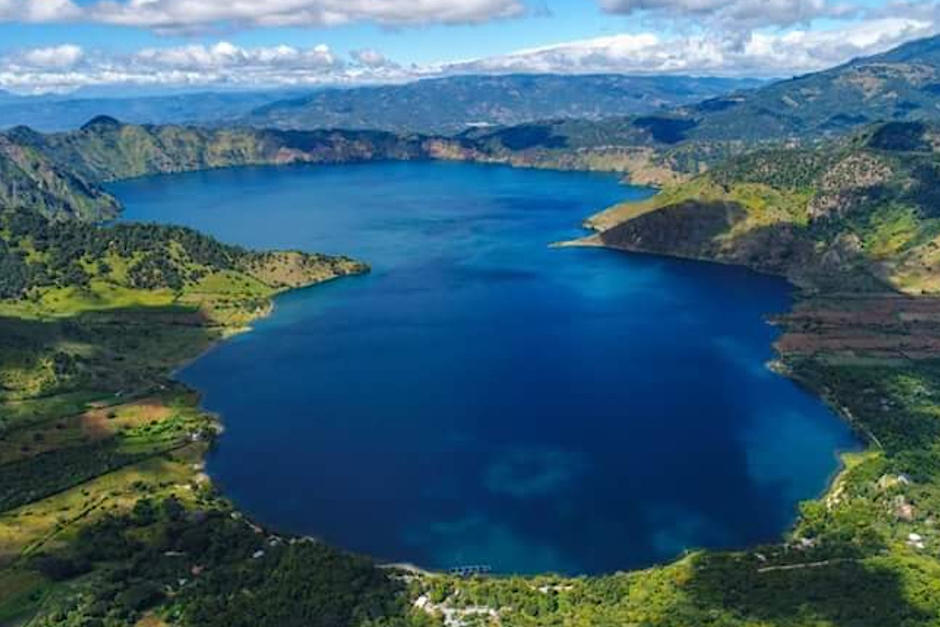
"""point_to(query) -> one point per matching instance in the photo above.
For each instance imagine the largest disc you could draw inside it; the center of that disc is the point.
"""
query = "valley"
(107, 515)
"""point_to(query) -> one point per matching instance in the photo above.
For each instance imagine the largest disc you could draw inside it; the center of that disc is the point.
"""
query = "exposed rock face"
(844, 250)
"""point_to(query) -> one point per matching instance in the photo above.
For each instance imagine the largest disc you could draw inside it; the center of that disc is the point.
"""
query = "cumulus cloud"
(38, 10)
(64, 56)
(758, 53)
(768, 53)
(224, 55)
(194, 15)
(223, 64)
(370, 58)
(742, 13)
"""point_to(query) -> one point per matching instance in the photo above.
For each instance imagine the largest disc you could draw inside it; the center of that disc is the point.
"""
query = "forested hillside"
(30, 178)
(42, 258)
(104, 149)
(64, 172)
(101, 490)
(861, 212)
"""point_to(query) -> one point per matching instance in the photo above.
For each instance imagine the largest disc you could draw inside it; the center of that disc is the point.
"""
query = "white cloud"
(196, 15)
(225, 55)
(64, 56)
(68, 67)
(38, 10)
(740, 13)
(758, 53)
(770, 53)
(370, 58)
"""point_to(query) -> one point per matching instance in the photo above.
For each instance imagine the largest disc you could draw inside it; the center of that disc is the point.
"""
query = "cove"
(481, 398)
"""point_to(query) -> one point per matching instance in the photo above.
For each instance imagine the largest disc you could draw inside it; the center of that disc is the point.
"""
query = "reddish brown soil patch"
(881, 326)
(100, 424)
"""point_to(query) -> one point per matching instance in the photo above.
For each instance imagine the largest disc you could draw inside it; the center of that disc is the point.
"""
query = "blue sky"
(568, 20)
(60, 45)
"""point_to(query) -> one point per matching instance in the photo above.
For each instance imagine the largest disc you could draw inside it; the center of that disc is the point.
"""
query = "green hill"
(902, 84)
(63, 172)
(862, 207)
(55, 266)
(30, 178)
(105, 149)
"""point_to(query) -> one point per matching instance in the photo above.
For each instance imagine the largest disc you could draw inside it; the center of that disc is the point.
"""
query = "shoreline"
(248, 328)
(867, 440)
(591, 240)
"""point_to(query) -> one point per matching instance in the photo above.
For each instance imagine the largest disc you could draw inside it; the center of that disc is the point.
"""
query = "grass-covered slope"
(76, 299)
(54, 266)
(861, 212)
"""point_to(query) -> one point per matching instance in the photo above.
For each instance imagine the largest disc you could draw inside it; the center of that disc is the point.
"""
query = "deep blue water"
(483, 398)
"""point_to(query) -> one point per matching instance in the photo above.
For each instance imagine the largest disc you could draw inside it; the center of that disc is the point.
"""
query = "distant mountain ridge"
(62, 113)
(452, 104)
(901, 84)
(59, 172)
(62, 173)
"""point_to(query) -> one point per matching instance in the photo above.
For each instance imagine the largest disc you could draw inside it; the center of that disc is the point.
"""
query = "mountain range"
(901, 84)
(53, 113)
(59, 171)
(445, 105)
(453, 104)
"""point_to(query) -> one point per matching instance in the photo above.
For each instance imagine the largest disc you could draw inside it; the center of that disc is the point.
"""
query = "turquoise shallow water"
(481, 398)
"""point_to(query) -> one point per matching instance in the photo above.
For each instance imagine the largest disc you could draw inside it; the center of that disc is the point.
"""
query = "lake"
(482, 398)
